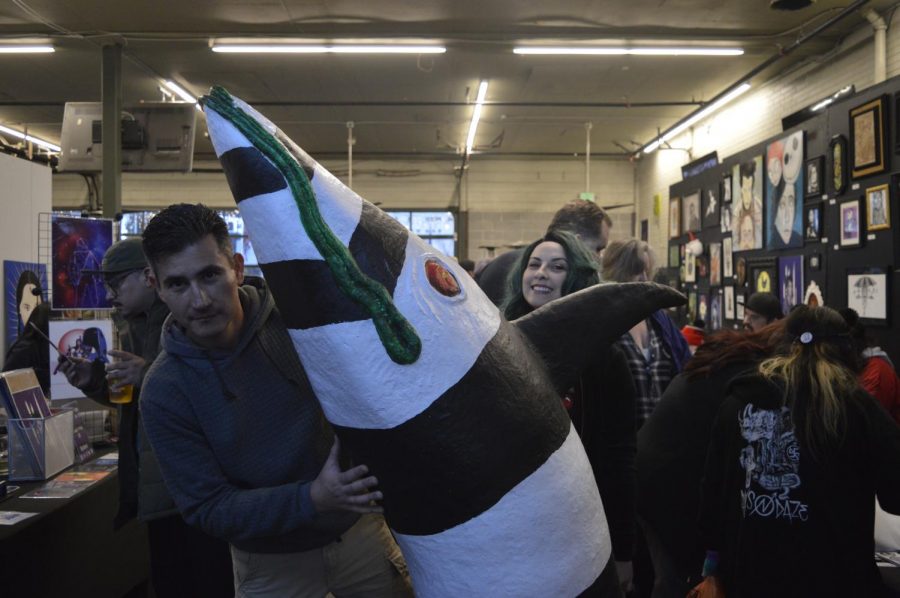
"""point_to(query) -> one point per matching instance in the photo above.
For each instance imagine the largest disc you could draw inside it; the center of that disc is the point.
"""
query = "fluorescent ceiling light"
(697, 116)
(644, 51)
(331, 49)
(180, 91)
(476, 115)
(35, 140)
(26, 49)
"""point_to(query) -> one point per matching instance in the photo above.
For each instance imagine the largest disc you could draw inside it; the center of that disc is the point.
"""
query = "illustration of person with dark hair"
(788, 291)
(28, 297)
(93, 345)
(693, 217)
(851, 225)
(88, 287)
(784, 234)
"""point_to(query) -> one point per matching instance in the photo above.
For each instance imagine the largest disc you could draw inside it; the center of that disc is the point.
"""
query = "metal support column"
(111, 84)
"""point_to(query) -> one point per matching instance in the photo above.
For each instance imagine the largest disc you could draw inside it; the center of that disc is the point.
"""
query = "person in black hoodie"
(601, 405)
(797, 456)
(671, 453)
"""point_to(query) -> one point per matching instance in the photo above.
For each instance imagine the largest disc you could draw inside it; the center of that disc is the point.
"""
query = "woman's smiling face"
(545, 274)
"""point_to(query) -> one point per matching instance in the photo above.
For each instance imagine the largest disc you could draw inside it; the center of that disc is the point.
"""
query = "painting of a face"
(784, 218)
(747, 191)
(745, 237)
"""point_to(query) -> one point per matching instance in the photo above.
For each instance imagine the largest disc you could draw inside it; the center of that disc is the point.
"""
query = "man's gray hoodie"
(240, 436)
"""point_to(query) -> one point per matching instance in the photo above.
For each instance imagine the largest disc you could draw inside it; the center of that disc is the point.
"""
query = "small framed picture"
(690, 213)
(674, 217)
(837, 159)
(711, 207)
(814, 262)
(715, 310)
(815, 177)
(812, 228)
(851, 223)
(763, 275)
(740, 271)
(702, 267)
(727, 258)
(729, 303)
(703, 307)
(690, 267)
(878, 206)
(692, 306)
(715, 264)
(725, 189)
(739, 307)
(674, 257)
(868, 293)
(868, 136)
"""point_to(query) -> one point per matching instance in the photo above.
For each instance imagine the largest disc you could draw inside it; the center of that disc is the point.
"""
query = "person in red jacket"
(878, 377)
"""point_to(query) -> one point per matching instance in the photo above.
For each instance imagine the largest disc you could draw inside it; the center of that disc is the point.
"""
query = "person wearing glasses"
(184, 561)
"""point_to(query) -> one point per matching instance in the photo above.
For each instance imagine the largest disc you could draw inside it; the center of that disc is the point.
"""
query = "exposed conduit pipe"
(880, 28)
(587, 156)
(350, 142)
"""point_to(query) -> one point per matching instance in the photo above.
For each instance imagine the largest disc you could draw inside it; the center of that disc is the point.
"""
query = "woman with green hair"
(601, 404)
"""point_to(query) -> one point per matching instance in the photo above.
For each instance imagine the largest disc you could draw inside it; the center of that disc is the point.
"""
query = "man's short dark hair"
(181, 225)
(580, 217)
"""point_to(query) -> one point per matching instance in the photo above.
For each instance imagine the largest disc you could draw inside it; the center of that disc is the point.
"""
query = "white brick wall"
(757, 116)
(509, 201)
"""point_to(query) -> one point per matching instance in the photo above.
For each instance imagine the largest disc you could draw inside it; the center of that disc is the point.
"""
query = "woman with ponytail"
(798, 452)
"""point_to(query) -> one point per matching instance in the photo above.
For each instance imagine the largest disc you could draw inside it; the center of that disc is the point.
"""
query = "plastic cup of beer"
(124, 395)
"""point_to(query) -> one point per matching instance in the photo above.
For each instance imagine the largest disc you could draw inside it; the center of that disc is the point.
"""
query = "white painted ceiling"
(408, 105)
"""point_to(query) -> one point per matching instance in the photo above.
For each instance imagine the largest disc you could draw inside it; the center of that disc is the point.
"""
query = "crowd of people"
(744, 460)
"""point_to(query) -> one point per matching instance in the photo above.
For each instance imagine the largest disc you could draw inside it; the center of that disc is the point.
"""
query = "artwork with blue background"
(784, 192)
(25, 287)
(77, 248)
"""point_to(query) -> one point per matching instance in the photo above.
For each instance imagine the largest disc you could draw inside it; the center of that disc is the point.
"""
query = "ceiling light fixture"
(26, 49)
(35, 140)
(180, 91)
(697, 116)
(476, 116)
(327, 49)
(642, 51)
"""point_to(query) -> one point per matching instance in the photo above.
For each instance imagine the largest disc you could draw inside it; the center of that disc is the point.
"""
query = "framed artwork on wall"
(725, 189)
(711, 207)
(674, 257)
(715, 310)
(674, 217)
(729, 303)
(837, 159)
(692, 306)
(790, 276)
(690, 212)
(690, 267)
(715, 264)
(878, 207)
(747, 206)
(727, 258)
(739, 306)
(703, 306)
(815, 177)
(702, 267)
(763, 275)
(784, 192)
(812, 230)
(851, 223)
(868, 138)
(814, 262)
(740, 271)
(868, 293)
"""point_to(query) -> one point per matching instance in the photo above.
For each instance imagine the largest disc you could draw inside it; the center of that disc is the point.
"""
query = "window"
(438, 229)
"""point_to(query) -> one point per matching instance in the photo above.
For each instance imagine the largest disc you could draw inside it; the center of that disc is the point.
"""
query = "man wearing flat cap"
(183, 561)
(761, 309)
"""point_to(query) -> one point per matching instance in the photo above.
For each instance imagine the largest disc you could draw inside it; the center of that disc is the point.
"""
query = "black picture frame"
(837, 160)
(868, 138)
(710, 205)
(869, 293)
(814, 171)
(756, 267)
(812, 222)
(814, 262)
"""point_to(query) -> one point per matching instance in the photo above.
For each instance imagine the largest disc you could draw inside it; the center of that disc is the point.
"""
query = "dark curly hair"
(181, 225)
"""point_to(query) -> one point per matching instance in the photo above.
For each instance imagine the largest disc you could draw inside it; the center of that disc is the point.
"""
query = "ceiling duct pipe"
(880, 28)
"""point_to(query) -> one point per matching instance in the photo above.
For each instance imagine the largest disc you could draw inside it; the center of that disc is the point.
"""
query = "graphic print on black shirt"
(771, 462)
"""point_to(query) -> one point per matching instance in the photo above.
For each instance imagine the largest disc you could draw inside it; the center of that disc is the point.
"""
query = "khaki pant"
(365, 562)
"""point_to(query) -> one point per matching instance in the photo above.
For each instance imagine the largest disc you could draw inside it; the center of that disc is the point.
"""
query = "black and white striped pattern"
(485, 481)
